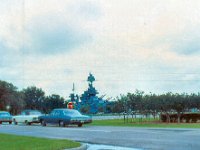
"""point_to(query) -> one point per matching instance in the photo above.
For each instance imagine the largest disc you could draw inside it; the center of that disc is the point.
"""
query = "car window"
(62, 113)
(52, 113)
(57, 113)
(31, 113)
(71, 113)
(27, 113)
(23, 113)
(35, 113)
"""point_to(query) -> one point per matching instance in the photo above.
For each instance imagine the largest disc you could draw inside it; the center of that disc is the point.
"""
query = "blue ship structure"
(89, 102)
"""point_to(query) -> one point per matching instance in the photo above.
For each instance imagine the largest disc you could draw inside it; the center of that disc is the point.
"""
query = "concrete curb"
(82, 147)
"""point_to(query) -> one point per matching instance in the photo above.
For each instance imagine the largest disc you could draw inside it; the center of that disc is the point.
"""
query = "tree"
(117, 107)
(34, 98)
(53, 101)
(10, 98)
(178, 104)
(151, 104)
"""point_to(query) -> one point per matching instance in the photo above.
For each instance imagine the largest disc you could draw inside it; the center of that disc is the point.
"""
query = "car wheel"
(61, 123)
(10, 122)
(43, 123)
(15, 122)
(80, 125)
(26, 122)
(0, 122)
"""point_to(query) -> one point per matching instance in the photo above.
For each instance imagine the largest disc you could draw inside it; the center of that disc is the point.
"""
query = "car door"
(57, 116)
(53, 118)
(49, 118)
(21, 117)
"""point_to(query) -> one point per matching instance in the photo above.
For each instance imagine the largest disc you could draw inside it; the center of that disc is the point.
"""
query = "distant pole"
(73, 89)
(132, 116)
(124, 117)
(127, 117)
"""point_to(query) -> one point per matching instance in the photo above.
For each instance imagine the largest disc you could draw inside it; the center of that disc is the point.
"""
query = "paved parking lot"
(143, 138)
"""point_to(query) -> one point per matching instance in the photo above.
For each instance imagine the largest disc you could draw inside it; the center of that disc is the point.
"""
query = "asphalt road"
(142, 138)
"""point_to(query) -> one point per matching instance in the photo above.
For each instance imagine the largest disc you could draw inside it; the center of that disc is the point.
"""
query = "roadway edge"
(82, 147)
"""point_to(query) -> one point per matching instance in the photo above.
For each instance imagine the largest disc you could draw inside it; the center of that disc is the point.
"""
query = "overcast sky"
(150, 45)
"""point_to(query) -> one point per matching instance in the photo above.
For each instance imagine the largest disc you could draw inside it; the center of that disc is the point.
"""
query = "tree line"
(156, 104)
(14, 100)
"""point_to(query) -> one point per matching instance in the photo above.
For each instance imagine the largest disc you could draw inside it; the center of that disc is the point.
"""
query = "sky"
(150, 45)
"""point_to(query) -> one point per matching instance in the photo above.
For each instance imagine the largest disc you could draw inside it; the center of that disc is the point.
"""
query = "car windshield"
(71, 113)
(4, 114)
(32, 113)
(35, 113)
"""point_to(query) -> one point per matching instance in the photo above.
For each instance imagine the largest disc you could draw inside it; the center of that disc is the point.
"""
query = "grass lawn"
(143, 123)
(14, 142)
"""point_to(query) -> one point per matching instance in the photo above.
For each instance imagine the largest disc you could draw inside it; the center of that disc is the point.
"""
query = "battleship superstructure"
(89, 102)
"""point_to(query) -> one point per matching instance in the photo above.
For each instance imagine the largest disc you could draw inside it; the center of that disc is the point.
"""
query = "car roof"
(65, 109)
(4, 112)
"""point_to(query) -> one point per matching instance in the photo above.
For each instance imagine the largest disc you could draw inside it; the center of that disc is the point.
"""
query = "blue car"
(5, 117)
(64, 117)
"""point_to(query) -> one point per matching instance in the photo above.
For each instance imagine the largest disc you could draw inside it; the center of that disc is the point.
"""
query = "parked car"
(28, 117)
(5, 117)
(64, 117)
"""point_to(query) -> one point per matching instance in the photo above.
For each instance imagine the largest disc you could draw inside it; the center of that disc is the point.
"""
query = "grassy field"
(14, 142)
(143, 123)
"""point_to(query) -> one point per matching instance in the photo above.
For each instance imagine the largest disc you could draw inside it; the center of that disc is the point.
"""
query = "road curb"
(82, 147)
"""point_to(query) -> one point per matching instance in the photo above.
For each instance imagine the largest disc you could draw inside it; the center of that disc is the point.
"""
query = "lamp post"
(8, 107)
(125, 107)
